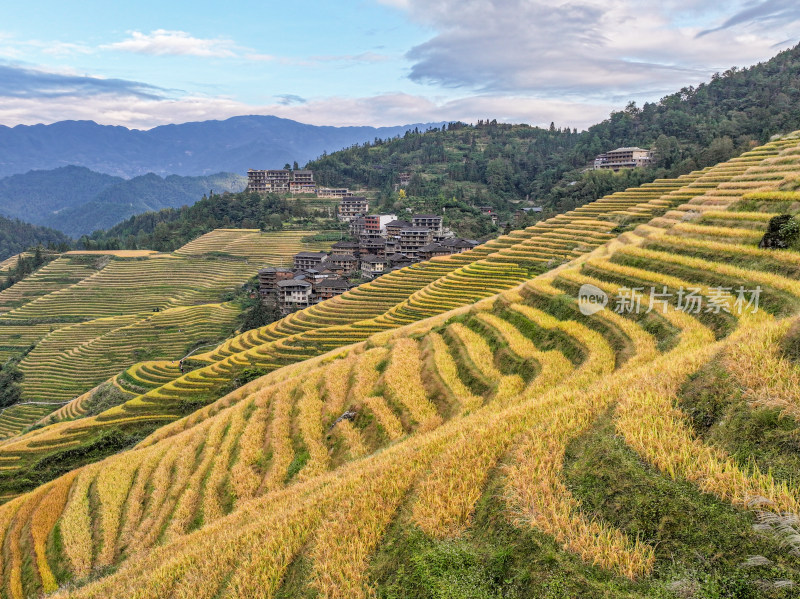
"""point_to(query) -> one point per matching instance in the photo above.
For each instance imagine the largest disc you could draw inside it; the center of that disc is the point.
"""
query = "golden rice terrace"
(602, 405)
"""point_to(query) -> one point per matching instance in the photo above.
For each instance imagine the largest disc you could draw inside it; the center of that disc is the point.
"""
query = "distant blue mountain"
(198, 148)
(77, 201)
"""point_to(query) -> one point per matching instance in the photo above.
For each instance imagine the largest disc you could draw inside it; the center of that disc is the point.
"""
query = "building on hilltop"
(623, 158)
(281, 181)
(303, 176)
(330, 192)
(268, 181)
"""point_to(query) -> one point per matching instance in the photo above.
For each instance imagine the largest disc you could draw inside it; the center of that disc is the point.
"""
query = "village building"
(342, 263)
(330, 288)
(426, 252)
(413, 238)
(334, 192)
(268, 279)
(357, 226)
(294, 294)
(352, 208)
(376, 223)
(373, 266)
(456, 245)
(269, 181)
(345, 247)
(307, 260)
(394, 227)
(296, 187)
(427, 221)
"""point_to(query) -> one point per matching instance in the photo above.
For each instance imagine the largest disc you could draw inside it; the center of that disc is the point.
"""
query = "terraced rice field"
(90, 315)
(420, 291)
(273, 248)
(304, 480)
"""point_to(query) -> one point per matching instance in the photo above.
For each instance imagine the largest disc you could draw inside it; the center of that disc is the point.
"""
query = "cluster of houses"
(382, 243)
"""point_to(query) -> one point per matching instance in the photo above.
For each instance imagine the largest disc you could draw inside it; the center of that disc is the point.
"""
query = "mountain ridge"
(77, 201)
(190, 149)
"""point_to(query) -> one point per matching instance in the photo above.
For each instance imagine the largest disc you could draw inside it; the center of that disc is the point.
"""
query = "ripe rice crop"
(404, 384)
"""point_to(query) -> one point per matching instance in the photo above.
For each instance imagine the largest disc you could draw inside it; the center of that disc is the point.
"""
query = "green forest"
(497, 164)
(168, 229)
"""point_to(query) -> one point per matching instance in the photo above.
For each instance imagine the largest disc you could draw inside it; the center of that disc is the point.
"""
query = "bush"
(782, 232)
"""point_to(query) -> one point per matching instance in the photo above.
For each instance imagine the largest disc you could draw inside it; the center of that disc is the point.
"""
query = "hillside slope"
(495, 164)
(511, 447)
(84, 317)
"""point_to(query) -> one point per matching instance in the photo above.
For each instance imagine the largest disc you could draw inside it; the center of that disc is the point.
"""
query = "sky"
(370, 62)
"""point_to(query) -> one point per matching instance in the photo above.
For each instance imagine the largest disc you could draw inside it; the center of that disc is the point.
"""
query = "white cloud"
(588, 48)
(382, 110)
(163, 42)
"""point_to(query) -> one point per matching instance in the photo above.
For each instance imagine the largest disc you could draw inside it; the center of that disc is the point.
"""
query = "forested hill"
(77, 201)
(17, 236)
(494, 163)
(168, 229)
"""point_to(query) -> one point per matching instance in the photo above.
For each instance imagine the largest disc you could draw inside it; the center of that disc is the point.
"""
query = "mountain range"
(196, 148)
(77, 200)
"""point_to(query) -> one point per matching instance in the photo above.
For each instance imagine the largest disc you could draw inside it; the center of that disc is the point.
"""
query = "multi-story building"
(372, 245)
(376, 223)
(623, 158)
(457, 245)
(306, 260)
(342, 263)
(296, 187)
(268, 181)
(393, 228)
(303, 176)
(352, 208)
(269, 277)
(405, 179)
(330, 288)
(330, 192)
(345, 247)
(428, 221)
(294, 294)
(373, 266)
(426, 252)
(412, 239)
(281, 181)
(357, 226)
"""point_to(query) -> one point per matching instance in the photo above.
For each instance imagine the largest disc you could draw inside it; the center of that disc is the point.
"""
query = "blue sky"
(378, 62)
